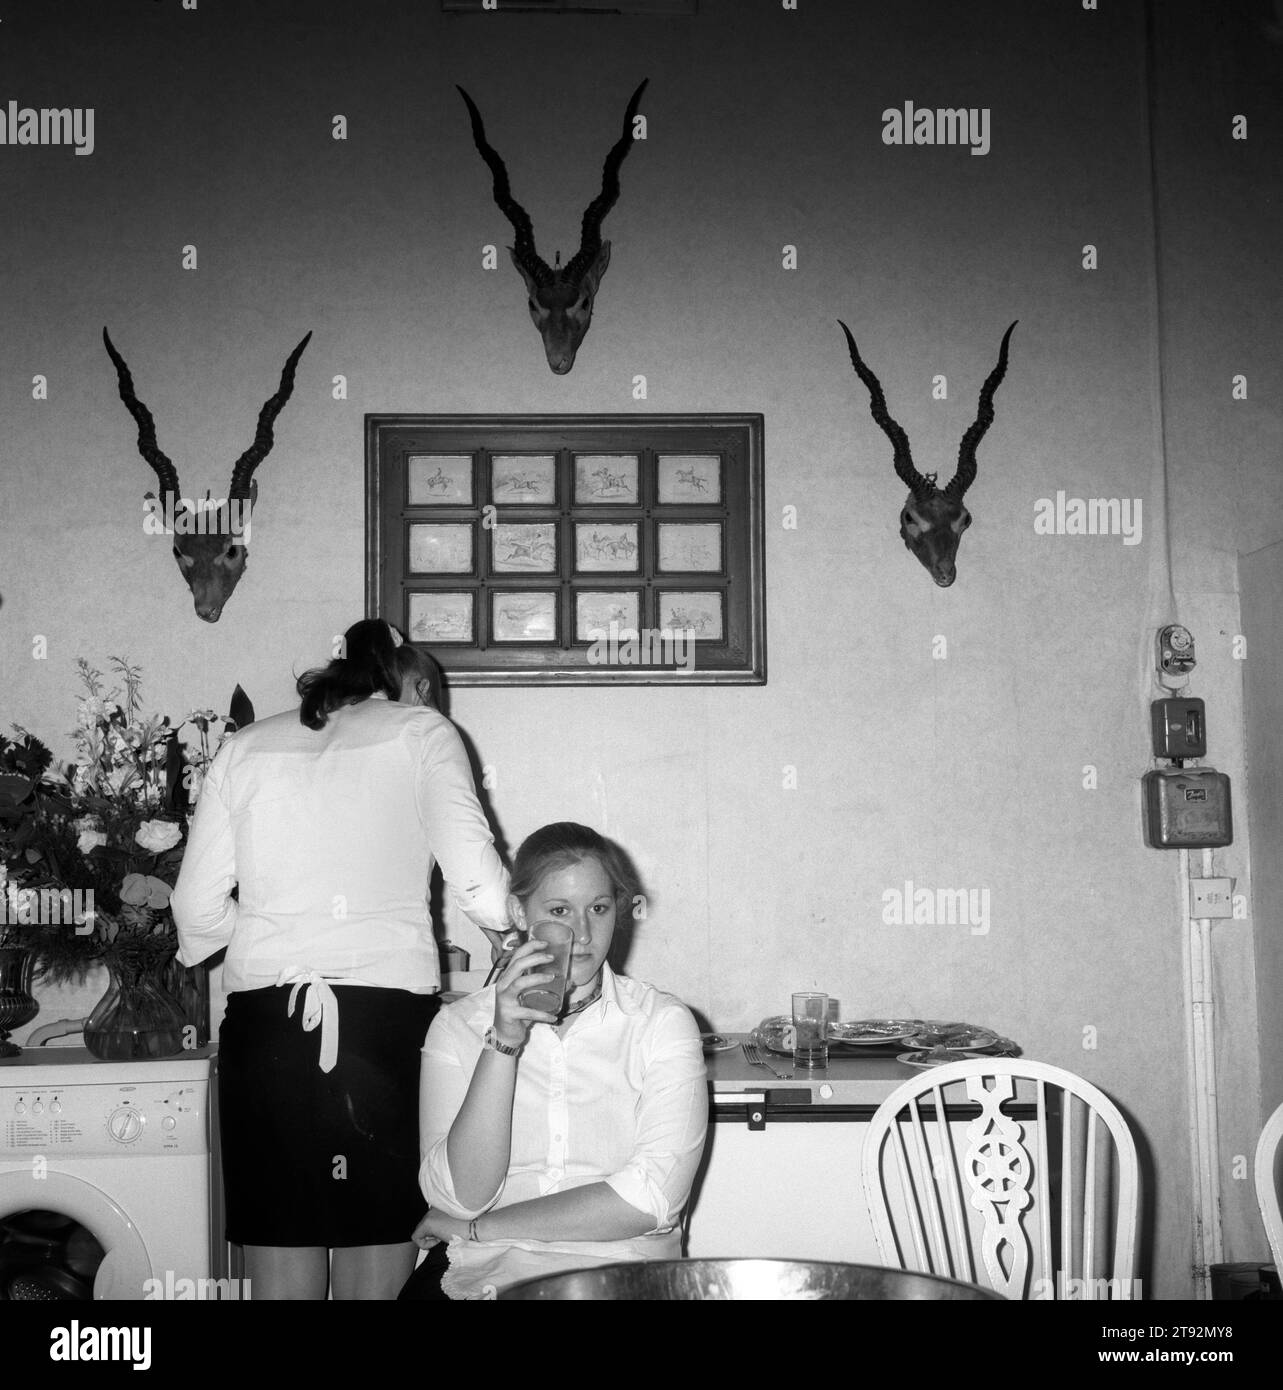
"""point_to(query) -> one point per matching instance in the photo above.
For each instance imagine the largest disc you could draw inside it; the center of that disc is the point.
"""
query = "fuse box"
(1187, 808)
(1179, 728)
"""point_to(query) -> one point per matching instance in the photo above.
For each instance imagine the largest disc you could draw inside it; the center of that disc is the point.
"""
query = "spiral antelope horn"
(166, 473)
(243, 469)
(966, 471)
(524, 249)
(595, 214)
(920, 486)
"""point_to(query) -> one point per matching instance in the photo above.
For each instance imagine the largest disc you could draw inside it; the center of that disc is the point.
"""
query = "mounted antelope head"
(209, 544)
(561, 297)
(933, 519)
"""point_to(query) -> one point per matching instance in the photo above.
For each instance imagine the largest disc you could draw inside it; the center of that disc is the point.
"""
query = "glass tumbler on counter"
(810, 1029)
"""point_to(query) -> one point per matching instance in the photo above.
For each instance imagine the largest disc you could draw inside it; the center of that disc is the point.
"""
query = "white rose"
(90, 839)
(158, 835)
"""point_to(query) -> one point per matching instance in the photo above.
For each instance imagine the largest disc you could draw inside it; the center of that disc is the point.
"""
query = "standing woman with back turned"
(328, 820)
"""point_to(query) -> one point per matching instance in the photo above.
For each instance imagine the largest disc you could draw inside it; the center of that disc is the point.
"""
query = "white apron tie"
(320, 1006)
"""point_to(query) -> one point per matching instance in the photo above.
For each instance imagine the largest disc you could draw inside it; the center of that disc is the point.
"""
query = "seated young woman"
(558, 1141)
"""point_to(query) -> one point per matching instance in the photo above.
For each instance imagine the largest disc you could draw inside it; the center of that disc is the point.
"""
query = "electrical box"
(1211, 897)
(1187, 808)
(1176, 650)
(1179, 728)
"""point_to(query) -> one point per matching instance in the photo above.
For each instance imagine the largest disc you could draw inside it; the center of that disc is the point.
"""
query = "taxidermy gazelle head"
(209, 544)
(933, 519)
(561, 297)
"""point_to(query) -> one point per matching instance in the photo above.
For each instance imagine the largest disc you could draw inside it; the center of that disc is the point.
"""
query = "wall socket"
(1211, 897)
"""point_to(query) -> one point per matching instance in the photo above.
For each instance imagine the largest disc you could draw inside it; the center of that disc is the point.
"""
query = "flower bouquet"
(89, 854)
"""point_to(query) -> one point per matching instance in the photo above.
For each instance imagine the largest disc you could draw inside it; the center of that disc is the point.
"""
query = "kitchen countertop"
(852, 1086)
(865, 1078)
(54, 1067)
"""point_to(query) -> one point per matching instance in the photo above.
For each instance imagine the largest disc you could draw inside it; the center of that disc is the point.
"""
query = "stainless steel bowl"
(742, 1280)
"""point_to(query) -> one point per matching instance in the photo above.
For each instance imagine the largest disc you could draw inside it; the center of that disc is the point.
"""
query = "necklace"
(583, 1004)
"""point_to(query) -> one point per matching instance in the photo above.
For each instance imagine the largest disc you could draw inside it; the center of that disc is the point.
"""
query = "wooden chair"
(987, 1183)
(1267, 1188)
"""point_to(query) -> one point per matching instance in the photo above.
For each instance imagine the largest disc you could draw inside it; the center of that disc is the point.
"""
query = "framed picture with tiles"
(571, 549)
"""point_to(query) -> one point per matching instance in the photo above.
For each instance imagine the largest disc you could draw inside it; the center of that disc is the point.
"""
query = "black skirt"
(317, 1158)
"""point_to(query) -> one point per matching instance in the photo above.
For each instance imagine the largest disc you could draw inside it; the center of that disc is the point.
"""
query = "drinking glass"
(810, 1029)
(559, 939)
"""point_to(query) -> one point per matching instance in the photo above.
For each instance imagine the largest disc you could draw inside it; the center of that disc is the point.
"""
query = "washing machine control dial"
(125, 1124)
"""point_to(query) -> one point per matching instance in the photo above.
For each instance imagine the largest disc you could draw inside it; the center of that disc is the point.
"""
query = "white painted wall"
(765, 129)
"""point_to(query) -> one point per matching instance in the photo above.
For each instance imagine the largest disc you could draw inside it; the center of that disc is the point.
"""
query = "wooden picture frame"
(502, 542)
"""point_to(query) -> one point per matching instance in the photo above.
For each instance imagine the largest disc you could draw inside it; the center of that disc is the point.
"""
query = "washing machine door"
(125, 1268)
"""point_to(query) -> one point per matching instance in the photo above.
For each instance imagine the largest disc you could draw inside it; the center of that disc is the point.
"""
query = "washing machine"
(105, 1176)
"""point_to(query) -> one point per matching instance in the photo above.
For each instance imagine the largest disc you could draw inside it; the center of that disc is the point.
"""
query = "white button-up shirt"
(332, 834)
(621, 1099)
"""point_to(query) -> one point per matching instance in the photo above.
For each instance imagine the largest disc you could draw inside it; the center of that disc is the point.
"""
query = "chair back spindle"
(959, 1163)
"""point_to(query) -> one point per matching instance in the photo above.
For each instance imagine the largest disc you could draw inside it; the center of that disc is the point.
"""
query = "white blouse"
(331, 835)
(622, 1098)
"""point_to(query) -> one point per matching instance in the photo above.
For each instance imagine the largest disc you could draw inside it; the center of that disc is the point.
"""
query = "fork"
(755, 1059)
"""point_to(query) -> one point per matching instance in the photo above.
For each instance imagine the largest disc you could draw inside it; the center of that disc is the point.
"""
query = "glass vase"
(17, 1003)
(136, 1018)
(189, 985)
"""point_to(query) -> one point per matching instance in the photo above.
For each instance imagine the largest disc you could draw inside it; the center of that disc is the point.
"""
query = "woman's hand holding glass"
(512, 1019)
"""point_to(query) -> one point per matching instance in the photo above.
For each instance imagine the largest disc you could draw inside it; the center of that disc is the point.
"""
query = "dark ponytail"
(373, 662)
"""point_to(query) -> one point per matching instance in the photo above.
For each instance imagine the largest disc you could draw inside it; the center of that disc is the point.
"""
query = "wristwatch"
(491, 1040)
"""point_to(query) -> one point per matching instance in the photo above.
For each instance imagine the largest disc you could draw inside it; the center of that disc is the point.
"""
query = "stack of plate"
(939, 1043)
(874, 1032)
(845, 1039)
(932, 1042)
